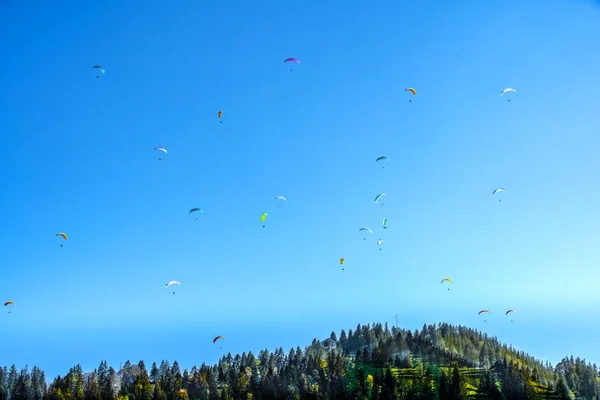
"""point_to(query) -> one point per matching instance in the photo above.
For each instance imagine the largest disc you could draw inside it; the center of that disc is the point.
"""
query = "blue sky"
(78, 159)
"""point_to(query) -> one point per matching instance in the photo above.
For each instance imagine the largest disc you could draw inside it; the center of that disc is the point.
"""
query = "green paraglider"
(263, 217)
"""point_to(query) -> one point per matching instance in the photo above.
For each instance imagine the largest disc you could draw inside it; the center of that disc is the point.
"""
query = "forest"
(440, 361)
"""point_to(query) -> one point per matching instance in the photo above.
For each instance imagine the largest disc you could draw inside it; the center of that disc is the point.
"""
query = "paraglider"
(160, 149)
(511, 311)
(99, 68)
(484, 311)
(172, 283)
(380, 195)
(506, 91)
(366, 229)
(217, 338)
(446, 280)
(413, 91)
(499, 190)
(382, 158)
(280, 198)
(220, 113)
(263, 217)
(379, 243)
(63, 235)
(196, 209)
(291, 59)
(384, 223)
(9, 303)
(342, 260)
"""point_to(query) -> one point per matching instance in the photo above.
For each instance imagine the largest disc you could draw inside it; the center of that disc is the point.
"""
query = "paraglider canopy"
(217, 338)
(499, 190)
(507, 90)
(62, 235)
(8, 303)
(196, 209)
(511, 311)
(263, 217)
(280, 198)
(99, 68)
(291, 59)
(446, 280)
(159, 148)
(413, 91)
(172, 283)
(380, 195)
(366, 229)
(382, 158)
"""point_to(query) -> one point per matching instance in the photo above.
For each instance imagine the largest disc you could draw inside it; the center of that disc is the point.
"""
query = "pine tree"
(457, 385)
(23, 387)
(13, 375)
(362, 383)
(158, 393)
(427, 385)
(154, 373)
(444, 388)
(91, 387)
(3, 384)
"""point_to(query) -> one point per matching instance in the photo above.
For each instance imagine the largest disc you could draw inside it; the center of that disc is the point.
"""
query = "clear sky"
(77, 158)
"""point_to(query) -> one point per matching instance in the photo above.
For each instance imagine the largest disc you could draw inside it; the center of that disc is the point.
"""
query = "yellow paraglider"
(413, 91)
(446, 280)
(342, 260)
(63, 235)
(263, 217)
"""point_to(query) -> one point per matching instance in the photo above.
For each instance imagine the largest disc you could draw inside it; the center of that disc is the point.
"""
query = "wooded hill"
(370, 362)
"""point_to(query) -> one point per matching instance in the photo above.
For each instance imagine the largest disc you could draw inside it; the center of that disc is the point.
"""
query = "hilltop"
(370, 362)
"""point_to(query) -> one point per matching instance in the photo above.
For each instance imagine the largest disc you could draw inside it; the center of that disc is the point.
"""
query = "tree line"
(374, 362)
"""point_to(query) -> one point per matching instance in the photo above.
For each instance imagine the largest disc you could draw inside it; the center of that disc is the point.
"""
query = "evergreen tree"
(444, 388)
(428, 391)
(158, 393)
(362, 383)
(13, 375)
(154, 373)
(4, 392)
(389, 388)
(562, 390)
(91, 387)
(23, 388)
(333, 336)
(458, 388)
